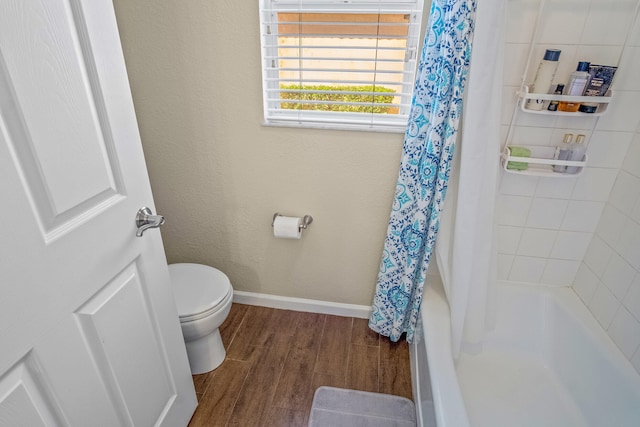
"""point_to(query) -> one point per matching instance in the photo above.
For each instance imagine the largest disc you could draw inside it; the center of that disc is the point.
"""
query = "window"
(339, 64)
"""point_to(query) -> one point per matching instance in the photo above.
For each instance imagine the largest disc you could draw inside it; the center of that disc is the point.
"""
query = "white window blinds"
(341, 64)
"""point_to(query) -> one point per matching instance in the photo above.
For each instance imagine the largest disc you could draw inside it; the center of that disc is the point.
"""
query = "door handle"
(145, 220)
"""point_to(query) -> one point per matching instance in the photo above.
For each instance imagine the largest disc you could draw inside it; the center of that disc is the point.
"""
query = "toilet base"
(205, 354)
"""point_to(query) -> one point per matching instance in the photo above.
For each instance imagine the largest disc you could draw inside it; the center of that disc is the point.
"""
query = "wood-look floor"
(277, 358)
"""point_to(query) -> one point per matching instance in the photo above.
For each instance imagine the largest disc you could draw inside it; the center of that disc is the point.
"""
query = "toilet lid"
(197, 288)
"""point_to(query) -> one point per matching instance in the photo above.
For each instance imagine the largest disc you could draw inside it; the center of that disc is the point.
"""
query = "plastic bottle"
(553, 105)
(563, 152)
(578, 81)
(577, 153)
(544, 77)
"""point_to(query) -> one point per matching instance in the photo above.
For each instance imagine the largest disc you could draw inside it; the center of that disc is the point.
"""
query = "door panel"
(55, 91)
(63, 350)
(89, 333)
(118, 323)
(56, 112)
(23, 402)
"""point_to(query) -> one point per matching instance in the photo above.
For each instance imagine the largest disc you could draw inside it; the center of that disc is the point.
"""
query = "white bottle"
(563, 152)
(577, 153)
(544, 77)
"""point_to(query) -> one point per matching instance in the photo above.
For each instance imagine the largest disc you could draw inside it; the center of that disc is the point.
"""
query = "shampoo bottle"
(563, 152)
(577, 83)
(577, 153)
(544, 76)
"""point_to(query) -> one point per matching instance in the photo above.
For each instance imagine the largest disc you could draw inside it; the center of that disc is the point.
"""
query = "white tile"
(536, 242)
(546, 213)
(622, 114)
(626, 77)
(603, 305)
(629, 244)
(598, 255)
(635, 214)
(583, 123)
(582, 216)
(634, 38)
(611, 225)
(563, 21)
(554, 188)
(560, 272)
(508, 239)
(504, 266)
(604, 55)
(514, 67)
(518, 185)
(608, 149)
(536, 120)
(594, 184)
(625, 332)
(625, 192)
(527, 269)
(635, 360)
(632, 299)
(632, 160)
(571, 245)
(509, 102)
(528, 135)
(521, 19)
(618, 276)
(513, 210)
(504, 131)
(585, 283)
(608, 22)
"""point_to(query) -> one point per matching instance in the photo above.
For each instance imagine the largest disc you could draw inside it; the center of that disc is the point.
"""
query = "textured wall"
(218, 175)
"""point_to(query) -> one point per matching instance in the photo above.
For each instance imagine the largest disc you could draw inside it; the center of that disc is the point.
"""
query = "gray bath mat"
(339, 407)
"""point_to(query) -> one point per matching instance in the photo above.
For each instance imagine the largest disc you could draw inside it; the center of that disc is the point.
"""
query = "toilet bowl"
(203, 297)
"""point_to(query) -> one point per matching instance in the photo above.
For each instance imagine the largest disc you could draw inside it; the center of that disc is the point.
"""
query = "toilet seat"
(199, 290)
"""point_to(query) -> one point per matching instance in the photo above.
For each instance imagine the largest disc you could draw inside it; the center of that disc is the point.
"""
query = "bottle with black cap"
(553, 105)
(578, 81)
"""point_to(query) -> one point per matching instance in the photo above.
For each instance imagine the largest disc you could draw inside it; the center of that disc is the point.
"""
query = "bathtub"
(546, 363)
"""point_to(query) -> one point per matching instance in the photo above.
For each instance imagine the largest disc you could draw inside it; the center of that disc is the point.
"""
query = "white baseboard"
(302, 304)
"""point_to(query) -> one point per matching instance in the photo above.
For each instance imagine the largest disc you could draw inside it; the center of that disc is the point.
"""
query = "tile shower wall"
(608, 280)
(546, 225)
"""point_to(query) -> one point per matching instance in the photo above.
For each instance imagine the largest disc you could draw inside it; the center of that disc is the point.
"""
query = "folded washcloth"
(519, 152)
(517, 166)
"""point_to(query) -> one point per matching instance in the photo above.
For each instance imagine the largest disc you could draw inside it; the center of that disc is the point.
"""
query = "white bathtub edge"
(447, 397)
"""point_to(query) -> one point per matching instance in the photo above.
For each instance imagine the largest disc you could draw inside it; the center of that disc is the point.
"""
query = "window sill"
(337, 126)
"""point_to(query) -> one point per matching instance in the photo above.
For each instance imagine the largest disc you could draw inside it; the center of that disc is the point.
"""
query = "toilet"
(203, 297)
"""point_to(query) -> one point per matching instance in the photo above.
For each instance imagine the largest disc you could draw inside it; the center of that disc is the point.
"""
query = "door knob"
(145, 220)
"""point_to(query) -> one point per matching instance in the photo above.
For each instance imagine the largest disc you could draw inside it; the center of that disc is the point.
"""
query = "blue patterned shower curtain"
(424, 172)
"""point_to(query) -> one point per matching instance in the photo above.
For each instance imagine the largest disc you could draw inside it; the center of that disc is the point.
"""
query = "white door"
(89, 334)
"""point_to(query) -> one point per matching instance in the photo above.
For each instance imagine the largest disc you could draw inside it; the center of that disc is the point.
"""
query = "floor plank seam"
(235, 401)
(348, 361)
(235, 332)
(209, 380)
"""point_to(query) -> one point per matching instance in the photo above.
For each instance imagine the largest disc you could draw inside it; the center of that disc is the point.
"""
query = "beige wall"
(218, 175)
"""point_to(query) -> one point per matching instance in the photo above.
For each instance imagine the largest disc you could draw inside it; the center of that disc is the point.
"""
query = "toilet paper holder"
(306, 221)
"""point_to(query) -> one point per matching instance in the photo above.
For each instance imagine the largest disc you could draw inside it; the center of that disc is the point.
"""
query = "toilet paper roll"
(287, 227)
